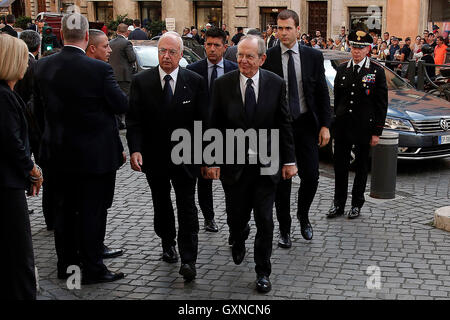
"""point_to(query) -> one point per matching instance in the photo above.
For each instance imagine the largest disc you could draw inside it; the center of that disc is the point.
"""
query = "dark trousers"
(82, 203)
(342, 149)
(48, 198)
(17, 265)
(111, 184)
(307, 156)
(164, 217)
(252, 192)
(205, 197)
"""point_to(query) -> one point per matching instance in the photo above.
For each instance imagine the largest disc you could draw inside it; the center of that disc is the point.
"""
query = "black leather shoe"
(263, 284)
(170, 255)
(108, 276)
(211, 226)
(306, 230)
(238, 252)
(111, 253)
(285, 241)
(335, 211)
(188, 271)
(354, 213)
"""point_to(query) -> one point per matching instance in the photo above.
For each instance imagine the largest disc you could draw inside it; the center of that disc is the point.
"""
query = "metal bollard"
(384, 166)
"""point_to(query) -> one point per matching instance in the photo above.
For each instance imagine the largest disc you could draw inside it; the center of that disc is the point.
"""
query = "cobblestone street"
(394, 235)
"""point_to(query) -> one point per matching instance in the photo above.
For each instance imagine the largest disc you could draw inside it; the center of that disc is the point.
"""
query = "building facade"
(400, 17)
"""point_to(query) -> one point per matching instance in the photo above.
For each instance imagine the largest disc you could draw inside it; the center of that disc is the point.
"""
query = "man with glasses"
(211, 68)
(162, 100)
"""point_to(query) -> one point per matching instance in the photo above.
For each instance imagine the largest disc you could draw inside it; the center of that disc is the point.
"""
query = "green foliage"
(155, 27)
(112, 25)
(22, 22)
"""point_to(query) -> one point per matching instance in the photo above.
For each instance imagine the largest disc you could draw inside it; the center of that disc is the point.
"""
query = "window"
(208, 12)
(150, 11)
(366, 17)
(103, 11)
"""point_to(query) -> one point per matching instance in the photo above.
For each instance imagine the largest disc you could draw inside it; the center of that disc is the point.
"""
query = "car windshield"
(394, 82)
(147, 57)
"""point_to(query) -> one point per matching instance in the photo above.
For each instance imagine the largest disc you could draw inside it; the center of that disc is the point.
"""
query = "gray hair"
(32, 40)
(259, 40)
(74, 27)
(94, 35)
(175, 35)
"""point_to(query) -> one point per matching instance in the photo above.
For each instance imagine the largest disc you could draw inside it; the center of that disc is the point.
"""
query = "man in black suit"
(98, 48)
(253, 99)
(360, 106)
(211, 68)
(137, 33)
(271, 40)
(302, 69)
(162, 100)
(76, 99)
(9, 27)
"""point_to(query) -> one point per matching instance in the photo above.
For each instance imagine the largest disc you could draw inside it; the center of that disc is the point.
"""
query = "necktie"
(213, 77)
(167, 91)
(355, 69)
(294, 100)
(250, 100)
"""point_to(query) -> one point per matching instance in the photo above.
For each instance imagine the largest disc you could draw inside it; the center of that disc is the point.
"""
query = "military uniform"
(360, 106)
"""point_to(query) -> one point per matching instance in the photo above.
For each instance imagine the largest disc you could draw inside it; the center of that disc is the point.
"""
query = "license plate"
(444, 139)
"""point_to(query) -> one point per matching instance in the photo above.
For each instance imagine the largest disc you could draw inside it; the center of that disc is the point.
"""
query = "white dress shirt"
(255, 85)
(172, 82)
(298, 73)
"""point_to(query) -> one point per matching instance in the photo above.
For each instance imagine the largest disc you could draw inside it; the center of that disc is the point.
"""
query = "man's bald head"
(122, 28)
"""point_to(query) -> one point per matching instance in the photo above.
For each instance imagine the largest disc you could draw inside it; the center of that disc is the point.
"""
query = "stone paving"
(396, 236)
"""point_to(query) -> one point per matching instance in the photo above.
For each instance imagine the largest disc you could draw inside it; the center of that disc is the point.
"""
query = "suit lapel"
(263, 88)
(180, 87)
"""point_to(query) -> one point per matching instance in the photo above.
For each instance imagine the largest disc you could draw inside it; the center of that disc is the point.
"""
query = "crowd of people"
(66, 110)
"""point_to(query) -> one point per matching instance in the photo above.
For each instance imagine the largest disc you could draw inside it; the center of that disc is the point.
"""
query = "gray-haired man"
(73, 89)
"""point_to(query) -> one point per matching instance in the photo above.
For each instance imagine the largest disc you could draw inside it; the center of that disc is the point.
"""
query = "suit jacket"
(315, 86)
(272, 41)
(24, 88)
(271, 113)
(76, 99)
(9, 30)
(15, 162)
(122, 58)
(150, 123)
(201, 68)
(230, 54)
(138, 34)
(360, 102)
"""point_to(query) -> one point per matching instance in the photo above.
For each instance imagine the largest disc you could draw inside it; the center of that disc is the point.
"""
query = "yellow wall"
(403, 18)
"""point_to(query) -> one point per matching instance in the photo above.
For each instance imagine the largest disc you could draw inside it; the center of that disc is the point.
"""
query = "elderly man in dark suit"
(253, 99)
(80, 146)
(211, 68)
(309, 103)
(162, 100)
(360, 106)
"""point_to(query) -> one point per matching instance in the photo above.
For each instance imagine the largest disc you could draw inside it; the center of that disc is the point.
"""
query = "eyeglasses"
(248, 57)
(172, 52)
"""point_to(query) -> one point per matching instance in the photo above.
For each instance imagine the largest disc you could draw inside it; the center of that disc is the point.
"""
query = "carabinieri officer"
(360, 106)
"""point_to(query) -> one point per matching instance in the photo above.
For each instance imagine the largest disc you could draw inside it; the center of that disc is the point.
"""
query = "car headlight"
(398, 124)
